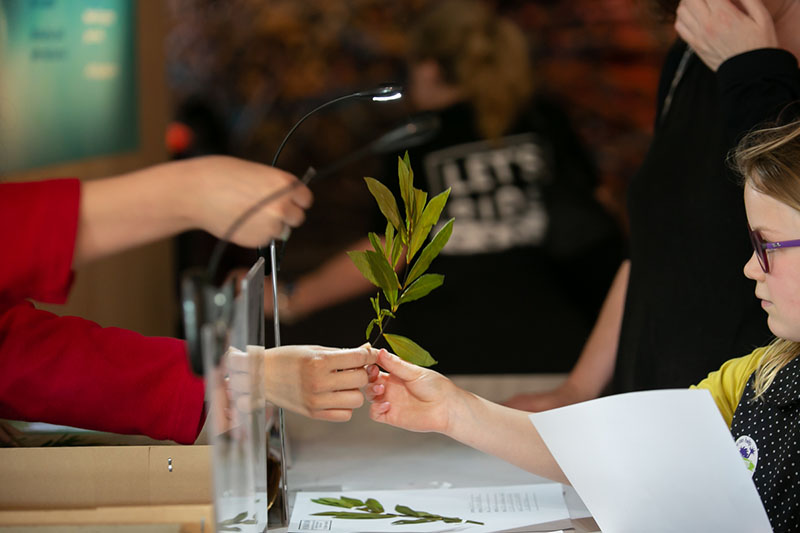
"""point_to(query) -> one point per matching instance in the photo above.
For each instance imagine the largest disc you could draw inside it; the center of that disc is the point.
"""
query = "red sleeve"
(38, 226)
(67, 370)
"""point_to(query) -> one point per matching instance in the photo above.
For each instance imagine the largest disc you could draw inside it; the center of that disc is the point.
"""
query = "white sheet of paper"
(499, 508)
(654, 461)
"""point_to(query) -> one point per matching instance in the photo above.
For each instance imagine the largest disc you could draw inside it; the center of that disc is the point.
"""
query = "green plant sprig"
(404, 236)
(371, 509)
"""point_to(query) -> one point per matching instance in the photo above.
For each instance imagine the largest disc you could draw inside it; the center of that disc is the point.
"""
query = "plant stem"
(381, 322)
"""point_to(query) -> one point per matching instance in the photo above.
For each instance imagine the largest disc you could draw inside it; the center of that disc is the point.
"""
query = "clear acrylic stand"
(228, 331)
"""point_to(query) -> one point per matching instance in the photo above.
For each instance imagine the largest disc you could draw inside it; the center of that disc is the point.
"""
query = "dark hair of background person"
(484, 55)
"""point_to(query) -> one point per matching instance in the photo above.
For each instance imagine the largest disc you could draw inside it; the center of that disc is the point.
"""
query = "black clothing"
(532, 253)
(688, 306)
(767, 432)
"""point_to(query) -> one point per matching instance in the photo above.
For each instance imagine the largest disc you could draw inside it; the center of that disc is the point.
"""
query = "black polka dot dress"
(767, 432)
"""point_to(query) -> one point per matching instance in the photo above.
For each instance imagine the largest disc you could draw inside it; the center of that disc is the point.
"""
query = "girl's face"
(779, 291)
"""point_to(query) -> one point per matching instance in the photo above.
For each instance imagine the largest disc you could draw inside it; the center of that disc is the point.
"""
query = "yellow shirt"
(727, 384)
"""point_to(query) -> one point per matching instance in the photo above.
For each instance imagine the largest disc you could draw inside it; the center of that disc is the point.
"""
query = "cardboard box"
(100, 476)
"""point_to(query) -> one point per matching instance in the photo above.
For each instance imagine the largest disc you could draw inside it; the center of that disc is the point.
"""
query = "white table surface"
(365, 455)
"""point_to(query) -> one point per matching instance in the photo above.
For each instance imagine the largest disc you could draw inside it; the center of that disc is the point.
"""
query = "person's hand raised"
(719, 29)
(224, 188)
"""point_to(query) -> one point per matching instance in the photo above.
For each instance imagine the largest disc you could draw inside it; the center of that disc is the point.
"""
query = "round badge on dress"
(748, 449)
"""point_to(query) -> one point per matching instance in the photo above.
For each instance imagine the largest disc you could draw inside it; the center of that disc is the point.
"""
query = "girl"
(758, 395)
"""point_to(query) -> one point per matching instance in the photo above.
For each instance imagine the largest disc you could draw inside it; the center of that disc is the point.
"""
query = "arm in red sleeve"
(67, 370)
(38, 226)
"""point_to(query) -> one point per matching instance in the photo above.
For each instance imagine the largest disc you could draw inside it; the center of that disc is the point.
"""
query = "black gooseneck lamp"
(380, 94)
(384, 93)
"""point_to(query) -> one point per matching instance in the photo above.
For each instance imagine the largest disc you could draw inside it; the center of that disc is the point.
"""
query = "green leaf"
(397, 247)
(355, 516)
(408, 511)
(386, 312)
(335, 502)
(406, 176)
(421, 287)
(389, 243)
(420, 197)
(370, 326)
(384, 274)
(430, 252)
(353, 502)
(386, 202)
(417, 521)
(376, 303)
(374, 505)
(429, 218)
(376, 243)
(235, 520)
(473, 522)
(409, 350)
(360, 259)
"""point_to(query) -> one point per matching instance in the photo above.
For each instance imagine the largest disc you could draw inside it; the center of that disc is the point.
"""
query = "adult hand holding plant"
(404, 237)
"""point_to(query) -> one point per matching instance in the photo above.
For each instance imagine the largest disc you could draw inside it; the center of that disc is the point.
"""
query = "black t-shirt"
(689, 307)
(532, 253)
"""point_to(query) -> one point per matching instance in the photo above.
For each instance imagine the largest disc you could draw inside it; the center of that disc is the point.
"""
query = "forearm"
(754, 87)
(336, 281)
(595, 367)
(503, 432)
(130, 210)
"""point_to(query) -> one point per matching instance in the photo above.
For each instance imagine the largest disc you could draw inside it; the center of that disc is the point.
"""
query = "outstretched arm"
(335, 281)
(420, 399)
(206, 193)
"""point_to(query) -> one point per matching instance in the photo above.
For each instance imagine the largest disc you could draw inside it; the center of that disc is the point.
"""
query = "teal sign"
(68, 81)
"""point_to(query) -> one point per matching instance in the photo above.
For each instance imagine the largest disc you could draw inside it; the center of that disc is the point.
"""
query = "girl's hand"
(718, 29)
(409, 396)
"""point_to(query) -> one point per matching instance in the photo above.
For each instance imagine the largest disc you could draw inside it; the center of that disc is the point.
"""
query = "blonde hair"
(769, 161)
(484, 55)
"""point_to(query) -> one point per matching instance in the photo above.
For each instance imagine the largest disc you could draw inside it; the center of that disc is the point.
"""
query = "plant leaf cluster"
(404, 238)
(371, 509)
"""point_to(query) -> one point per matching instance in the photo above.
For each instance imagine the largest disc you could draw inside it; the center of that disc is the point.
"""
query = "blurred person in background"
(532, 252)
(733, 67)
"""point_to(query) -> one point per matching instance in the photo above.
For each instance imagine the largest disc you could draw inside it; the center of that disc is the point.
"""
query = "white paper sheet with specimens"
(476, 510)
(655, 461)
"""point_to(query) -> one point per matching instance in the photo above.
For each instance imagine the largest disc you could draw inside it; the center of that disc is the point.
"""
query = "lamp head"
(384, 93)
